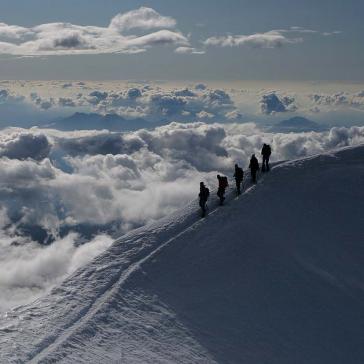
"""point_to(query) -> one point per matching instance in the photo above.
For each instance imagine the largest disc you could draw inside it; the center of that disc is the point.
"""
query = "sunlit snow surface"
(274, 276)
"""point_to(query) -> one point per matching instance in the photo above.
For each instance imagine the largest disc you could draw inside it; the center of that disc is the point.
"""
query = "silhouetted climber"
(223, 183)
(203, 195)
(254, 168)
(238, 175)
(266, 152)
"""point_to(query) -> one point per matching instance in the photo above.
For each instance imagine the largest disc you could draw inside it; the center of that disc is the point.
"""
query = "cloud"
(101, 143)
(66, 38)
(12, 31)
(43, 104)
(297, 29)
(271, 103)
(70, 41)
(271, 39)
(339, 99)
(335, 32)
(142, 18)
(95, 97)
(133, 93)
(66, 102)
(154, 104)
(145, 104)
(7, 97)
(167, 104)
(218, 97)
(29, 271)
(23, 145)
(4, 94)
(189, 50)
(161, 106)
(234, 115)
(67, 85)
(200, 87)
(203, 115)
(161, 37)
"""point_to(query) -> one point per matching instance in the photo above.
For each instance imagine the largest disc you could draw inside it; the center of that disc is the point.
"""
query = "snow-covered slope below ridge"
(274, 276)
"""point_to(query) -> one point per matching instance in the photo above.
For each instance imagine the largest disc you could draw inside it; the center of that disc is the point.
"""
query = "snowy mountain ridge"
(274, 276)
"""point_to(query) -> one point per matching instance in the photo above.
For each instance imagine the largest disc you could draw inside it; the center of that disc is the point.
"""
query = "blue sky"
(305, 56)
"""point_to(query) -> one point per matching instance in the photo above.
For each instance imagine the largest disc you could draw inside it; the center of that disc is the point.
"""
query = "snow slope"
(274, 276)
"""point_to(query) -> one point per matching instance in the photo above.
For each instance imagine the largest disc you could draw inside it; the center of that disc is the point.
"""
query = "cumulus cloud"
(339, 99)
(42, 103)
(66, 38)
(7, 97)
(159, 105)
(133, 93)
(213, 102)
(23, 145)
(116, 107)
(4, 94)
(272, 103)
(12, 31)
(95, 97)
(66, 102)
(204, 115)
(148, 105)
(142, 18)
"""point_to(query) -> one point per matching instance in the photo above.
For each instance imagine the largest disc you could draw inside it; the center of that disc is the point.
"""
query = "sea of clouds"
(66, 195)
(151, 104)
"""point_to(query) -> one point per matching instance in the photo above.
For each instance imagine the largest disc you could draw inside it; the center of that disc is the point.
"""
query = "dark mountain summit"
(84, 121)
(297, 124)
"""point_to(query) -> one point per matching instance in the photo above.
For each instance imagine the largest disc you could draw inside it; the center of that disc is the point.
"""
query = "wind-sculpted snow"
(278, 267)
(60, 190)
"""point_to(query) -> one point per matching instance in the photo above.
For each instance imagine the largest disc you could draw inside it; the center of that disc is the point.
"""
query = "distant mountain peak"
(94, 121)
(297, 123)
